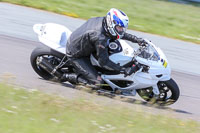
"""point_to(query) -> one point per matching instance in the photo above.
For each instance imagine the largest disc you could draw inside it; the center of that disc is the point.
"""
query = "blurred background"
(179, 19)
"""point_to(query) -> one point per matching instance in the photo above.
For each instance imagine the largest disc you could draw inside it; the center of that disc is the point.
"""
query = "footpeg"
(65, 70)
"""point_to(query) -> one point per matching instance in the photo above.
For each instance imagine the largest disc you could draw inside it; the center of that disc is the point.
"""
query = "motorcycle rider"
(92, 37)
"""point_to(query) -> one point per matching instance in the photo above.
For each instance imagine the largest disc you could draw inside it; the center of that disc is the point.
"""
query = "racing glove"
(141, 41)
(130, 70)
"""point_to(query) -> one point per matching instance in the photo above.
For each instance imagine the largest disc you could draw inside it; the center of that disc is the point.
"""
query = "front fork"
(156, 90)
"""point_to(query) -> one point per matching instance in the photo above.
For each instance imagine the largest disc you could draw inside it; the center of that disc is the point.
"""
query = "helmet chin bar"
(114, 33)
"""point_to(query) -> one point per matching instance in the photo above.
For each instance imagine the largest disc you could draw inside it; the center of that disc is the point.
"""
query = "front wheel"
(169, 93)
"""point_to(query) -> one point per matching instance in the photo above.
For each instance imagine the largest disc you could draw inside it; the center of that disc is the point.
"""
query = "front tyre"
(169, 93)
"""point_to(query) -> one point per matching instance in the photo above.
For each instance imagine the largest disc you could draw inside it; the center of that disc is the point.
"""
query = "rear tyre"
(47, 53)
(169, 93)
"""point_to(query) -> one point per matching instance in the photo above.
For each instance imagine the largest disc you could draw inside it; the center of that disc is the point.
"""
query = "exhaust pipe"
(71, 77)
(43, 63)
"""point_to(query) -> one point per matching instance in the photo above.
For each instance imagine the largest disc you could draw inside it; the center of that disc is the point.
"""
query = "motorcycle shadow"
(127, 99)
(136, 101)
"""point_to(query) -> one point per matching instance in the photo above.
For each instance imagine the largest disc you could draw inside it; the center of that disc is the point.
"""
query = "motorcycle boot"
(73, 78)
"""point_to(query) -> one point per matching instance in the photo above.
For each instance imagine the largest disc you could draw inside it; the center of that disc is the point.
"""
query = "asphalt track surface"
(17, 40)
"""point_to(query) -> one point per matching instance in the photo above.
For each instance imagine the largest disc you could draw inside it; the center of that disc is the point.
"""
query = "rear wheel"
(169, 93)
(44, 52)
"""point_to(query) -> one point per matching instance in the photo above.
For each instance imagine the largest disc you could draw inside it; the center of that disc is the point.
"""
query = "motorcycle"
(152, 81)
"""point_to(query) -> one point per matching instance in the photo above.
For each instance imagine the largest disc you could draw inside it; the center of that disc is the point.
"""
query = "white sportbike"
(152, 81)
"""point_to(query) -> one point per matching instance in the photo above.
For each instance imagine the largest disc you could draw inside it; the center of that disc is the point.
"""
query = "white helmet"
(116, 23)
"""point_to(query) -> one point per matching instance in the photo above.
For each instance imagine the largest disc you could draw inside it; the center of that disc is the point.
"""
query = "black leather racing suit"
(89, 38)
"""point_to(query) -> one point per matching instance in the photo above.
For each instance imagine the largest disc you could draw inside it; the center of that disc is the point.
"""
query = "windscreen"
(149, 53)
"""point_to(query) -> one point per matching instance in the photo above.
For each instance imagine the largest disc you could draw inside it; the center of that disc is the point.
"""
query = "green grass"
(153, 16)
(23, 111)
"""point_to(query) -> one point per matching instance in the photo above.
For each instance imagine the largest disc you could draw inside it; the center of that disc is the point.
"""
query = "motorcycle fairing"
(53, 35)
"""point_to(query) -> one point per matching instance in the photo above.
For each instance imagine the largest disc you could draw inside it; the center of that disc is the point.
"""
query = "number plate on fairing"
(165, 63)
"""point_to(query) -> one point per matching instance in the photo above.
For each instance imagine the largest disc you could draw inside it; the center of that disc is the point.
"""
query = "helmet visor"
(120, 30)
